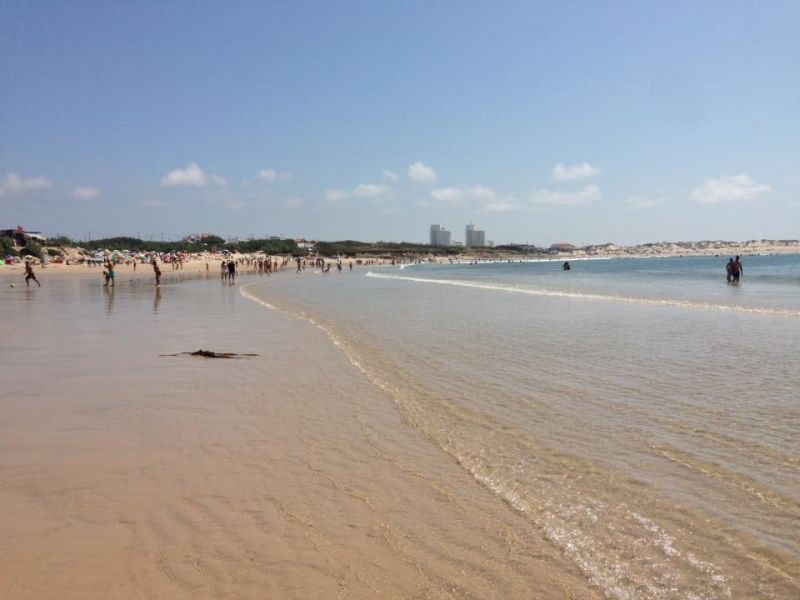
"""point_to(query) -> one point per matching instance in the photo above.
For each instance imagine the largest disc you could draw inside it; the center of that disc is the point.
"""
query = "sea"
(641, 415)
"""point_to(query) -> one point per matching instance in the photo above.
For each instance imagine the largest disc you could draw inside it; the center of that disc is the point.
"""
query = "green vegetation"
(31, 248)
(7, 247)
(60, 242)
(210, 243)
(274, 246)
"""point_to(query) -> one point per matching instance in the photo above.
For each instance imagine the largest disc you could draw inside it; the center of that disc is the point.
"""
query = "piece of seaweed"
(210, 354)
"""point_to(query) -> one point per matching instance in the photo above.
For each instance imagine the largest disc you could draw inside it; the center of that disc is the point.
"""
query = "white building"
(475, 237)
(439, 236)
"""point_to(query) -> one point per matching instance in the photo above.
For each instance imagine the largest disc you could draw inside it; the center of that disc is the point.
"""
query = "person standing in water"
(738, 270)
(729, 270)
(231, 271)
(30, 275)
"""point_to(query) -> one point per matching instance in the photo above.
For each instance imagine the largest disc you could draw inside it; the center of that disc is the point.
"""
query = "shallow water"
(642, 415)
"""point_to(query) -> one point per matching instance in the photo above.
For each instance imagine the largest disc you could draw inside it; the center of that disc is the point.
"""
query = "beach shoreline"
(283, 475)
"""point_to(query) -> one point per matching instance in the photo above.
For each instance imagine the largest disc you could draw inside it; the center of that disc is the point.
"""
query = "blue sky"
(539, 121)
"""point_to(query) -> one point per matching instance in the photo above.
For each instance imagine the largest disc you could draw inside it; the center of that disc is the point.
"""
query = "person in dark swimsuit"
(738, 270)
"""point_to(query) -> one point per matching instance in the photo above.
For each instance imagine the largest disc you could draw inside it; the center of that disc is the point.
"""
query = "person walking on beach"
(29, 275)
(737, 270)
(156, 271)
(231, 271)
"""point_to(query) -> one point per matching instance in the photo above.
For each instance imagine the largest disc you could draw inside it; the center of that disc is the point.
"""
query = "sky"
(540, 122)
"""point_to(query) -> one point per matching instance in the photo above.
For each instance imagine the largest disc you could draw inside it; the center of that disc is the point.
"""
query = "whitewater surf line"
(777, 312)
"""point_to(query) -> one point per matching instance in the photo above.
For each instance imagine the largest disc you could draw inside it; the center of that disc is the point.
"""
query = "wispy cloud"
(481, 197)
(370, 190)
(85, 193)
(191, 175)
(502, 205)
(335, 195)
(583, 170)
(391, 175)
(637, 203)
(270, 174)
(586, 195)
(14, 183)
(729, 188)
(449, 195)
(362, 190)
(419, 172)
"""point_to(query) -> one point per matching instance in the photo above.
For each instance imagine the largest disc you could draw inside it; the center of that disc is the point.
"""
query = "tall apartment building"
(474, 237)
(439, 236)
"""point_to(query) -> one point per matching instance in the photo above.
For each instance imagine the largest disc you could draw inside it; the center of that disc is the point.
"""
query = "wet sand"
(288, 475)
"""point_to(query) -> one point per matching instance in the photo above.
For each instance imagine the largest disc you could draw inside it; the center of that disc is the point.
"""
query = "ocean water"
(642, 415)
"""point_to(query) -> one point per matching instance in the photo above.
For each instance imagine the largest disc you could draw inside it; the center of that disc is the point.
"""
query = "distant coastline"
(66, 250)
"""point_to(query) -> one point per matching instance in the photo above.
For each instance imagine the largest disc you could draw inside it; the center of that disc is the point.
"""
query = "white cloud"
(335, 195)
(270, 174)
(589, 193)
(506, 205)
(362, 190)
(421, 173)
(638, 203)
(15, 183)
(85, 193)
(729, 188)
(391, 175)
(370, 190)
(450, 195)
(584, 170)
(192, 175)
(484, 197)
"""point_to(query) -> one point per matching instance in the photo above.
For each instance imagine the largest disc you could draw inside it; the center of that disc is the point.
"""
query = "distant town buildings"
(439, 236)
(475, 237)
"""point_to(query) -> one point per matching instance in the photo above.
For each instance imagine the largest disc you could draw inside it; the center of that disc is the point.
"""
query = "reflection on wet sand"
(109, 293)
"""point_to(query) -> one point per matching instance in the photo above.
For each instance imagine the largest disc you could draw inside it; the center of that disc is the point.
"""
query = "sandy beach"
(287, 475)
